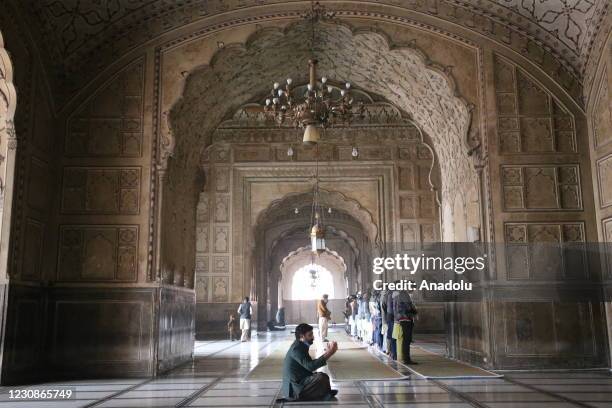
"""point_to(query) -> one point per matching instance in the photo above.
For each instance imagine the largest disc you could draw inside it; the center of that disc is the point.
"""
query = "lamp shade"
(317, 239)
(311, 135)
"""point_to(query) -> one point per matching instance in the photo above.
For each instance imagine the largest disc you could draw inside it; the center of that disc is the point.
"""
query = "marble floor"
(214, 379)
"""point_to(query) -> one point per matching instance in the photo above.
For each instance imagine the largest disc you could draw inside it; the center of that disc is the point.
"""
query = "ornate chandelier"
(321, 105)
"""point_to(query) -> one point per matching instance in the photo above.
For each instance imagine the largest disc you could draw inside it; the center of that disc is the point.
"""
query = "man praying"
(300, 381)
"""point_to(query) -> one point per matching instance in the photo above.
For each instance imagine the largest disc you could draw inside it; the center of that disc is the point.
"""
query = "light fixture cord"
(312, 28)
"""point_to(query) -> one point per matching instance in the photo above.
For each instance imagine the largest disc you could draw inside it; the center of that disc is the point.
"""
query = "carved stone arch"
(447, 120)
(306, 252)
(299, 228)
(333, 199)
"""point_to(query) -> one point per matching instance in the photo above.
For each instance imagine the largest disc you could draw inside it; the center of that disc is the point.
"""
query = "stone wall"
(541, 195)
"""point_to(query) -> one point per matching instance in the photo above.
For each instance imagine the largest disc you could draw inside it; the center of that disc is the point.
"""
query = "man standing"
(300, 382)
(404, 313)
(391, 344)
(245, 311)
(324, 316)
(353, 319)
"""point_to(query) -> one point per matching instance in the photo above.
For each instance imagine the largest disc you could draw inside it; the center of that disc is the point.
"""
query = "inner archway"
(306, 277)
(311, 282)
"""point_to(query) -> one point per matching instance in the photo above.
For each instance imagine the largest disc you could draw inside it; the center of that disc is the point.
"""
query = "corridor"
(215, 378)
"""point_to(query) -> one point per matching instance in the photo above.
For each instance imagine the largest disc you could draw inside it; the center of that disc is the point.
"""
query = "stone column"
(7, 179)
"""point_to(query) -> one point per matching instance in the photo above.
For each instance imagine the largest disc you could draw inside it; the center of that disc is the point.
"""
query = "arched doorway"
(305, 277)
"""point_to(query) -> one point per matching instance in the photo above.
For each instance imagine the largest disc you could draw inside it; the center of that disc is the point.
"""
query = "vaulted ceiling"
(80, 35)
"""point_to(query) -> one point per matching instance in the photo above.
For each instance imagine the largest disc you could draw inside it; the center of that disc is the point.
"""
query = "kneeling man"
(300, 382)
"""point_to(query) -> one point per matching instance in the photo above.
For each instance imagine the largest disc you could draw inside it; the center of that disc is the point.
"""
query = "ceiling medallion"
(320, 105)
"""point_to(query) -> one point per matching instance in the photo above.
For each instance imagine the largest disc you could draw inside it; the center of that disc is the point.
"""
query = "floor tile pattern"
(214, 379)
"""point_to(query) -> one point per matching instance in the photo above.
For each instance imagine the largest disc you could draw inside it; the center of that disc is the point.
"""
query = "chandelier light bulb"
(330, 88)
(297, 211)
(280, 92)
(284, 107)
(289, 81)
(355, 152)
(348, 85)
(290, 153)
(324, 80)
(329, 210)
(268, 102)
(310, 87)
(342, 92)
(275, 100)
(276, 85)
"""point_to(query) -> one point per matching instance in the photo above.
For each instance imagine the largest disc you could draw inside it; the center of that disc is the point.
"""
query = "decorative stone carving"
(407, 153)
(424, 177)
(602, 116)
(251, 153)
(202, 291)
(221, 208)
(528, 118)
(406, 178)
(426, 206)
(604, 180)
(203, 210)
(365, 153)
(555, 35)
(516, 233)
(221, 264)
(98, 253)
(545, 251)
(222, 179)
(428, 234)
(408, 207)
(101, 190)
(221, 243)
(309, 153)
(221, 154)
(202, 264)
(541, 187)
(447, 122)
(110, 124)
(220, 289)
(409, 236)
(202, 238)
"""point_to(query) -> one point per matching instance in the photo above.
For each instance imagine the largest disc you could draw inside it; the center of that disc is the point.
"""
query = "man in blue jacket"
(300, 381)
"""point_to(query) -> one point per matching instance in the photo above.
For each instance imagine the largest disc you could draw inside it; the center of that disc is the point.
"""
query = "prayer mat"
(352, 362)
(433, 365)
